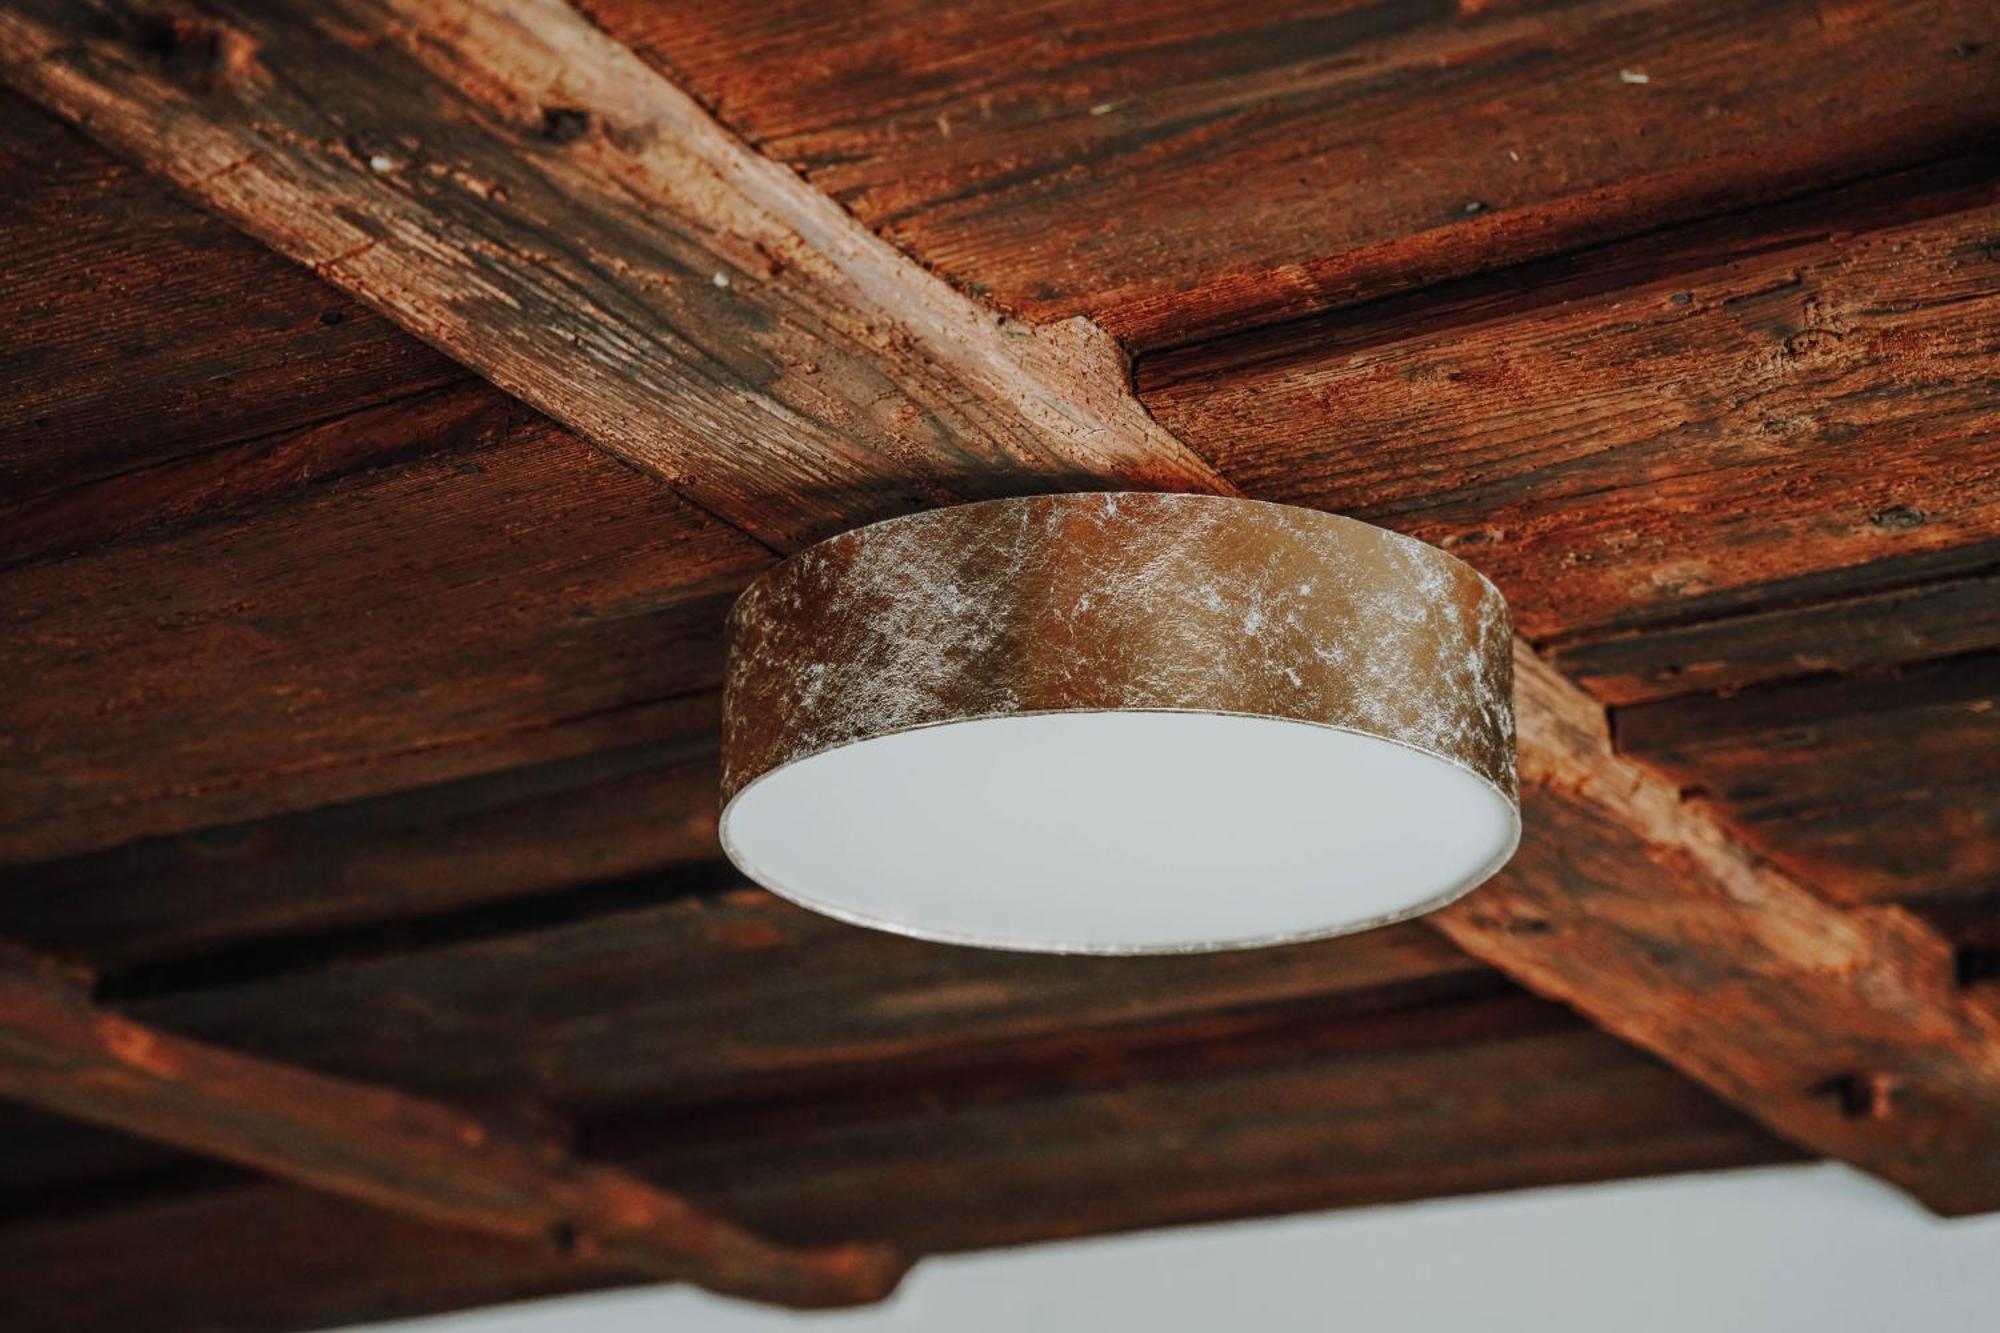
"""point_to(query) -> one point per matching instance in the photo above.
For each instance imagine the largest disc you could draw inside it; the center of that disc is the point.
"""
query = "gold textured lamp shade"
(1119, 723)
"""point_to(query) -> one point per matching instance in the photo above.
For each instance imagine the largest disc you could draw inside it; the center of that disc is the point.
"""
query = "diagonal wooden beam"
(1841, 1028)
(510, 184)
(520, 190)
(60, 1052)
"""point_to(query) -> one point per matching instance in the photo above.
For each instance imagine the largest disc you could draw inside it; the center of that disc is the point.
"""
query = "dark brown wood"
(493, 593)
(60, 1052)
(1637, 906)
(1174, 168)
(517, 835)
(679, 1000)
(1305, 1115)
(233, 482)
(1871, 788)
(595, 222)
(1861, 633)
(140, 330)
(646, 278)
(1784, 406)
(1309, 1114)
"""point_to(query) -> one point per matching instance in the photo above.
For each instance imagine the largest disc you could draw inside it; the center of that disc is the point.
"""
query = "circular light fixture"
(1120, 724)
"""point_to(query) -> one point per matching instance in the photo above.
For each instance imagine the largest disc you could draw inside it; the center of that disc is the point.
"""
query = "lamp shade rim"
(1021, 943)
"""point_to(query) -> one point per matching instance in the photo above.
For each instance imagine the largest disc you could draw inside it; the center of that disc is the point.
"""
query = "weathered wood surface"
(527, 834)
(1870, 788)
(1172, 168)
(1840, 1026)
(60, 1052)
(1863, 633)
(492, 593)
(683, 999)
(467, 152)
(537, 202)
(1306, 1115)
(261, 1259)
(1788, 405)
(140, 330)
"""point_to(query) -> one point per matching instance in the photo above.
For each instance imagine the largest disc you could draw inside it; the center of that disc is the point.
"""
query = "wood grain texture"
(515, 597)
(1451, 1099)
(1470, 1097)
(1840, 635)
(1843, 1027)
(60, 1052)
(510, 183)
(140, 330)
(682, 1000)
(1878, 788)
(642, 805)
(1784, 405)
(1171, 169)
(526, 194)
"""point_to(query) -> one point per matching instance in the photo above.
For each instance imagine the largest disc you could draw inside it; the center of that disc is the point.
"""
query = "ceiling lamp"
(1119, 723)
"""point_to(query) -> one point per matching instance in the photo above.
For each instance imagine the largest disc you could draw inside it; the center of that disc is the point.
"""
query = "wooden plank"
(685, 1000)
(521, 833)
(1868, 632)
(1839, 1026)
(138, 329)
(1174, 168)
(1924, 846)
(60, 1052)
(507, 596)
(537, 202)
(262, 1259)
(1475, 1097)
(1785, 405)
(233, 481)
(1450, 1100)
(1880, 788)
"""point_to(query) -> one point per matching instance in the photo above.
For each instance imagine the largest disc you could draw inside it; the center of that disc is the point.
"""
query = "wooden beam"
(1842, 1027)
(60, 1052)
(1308, 1114)
(1872, 788)
(531, 197)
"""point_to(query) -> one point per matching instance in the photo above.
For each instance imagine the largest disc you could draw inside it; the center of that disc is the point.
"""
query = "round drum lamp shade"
(1119, 723)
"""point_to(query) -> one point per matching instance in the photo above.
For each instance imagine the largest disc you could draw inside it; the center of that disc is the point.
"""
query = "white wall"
(1812, 1248)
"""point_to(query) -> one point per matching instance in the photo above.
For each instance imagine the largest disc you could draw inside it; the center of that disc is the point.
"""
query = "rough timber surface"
(139, 330)
(1173, 169)
(1468, 1097)
(1353, 1066)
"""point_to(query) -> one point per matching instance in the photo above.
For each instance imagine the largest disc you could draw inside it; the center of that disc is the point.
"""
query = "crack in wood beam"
(627, 265)
(60, 1052)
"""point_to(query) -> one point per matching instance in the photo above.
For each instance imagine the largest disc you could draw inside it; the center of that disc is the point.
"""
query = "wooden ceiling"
(396, 394)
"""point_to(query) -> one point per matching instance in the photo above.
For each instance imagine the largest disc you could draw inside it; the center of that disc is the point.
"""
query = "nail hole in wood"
(564, 124)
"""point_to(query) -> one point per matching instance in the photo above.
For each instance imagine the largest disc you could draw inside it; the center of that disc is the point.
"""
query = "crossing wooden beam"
(60, 1052)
